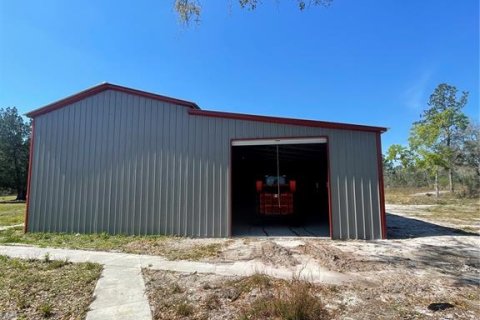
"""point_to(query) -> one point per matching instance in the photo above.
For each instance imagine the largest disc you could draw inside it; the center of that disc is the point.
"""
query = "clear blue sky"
(369, 62)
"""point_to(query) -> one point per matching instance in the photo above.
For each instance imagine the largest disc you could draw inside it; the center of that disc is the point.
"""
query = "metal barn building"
(123, 161)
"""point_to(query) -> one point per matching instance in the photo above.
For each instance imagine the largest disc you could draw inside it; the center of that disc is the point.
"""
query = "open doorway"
(280, 187)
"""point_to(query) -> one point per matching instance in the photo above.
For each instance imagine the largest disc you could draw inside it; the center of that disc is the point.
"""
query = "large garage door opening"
(280, 188)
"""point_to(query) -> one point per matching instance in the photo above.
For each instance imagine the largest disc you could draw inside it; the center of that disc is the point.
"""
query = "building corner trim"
(29, 176)
(381, 187)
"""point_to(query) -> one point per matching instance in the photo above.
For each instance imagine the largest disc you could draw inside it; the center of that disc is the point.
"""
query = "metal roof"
(195, 110)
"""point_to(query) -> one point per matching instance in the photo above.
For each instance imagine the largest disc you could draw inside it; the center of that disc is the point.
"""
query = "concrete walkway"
(120, 292)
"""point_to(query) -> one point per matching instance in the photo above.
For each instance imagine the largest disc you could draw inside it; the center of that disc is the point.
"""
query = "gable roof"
(103, 87)
(194, 110)
(290, 121)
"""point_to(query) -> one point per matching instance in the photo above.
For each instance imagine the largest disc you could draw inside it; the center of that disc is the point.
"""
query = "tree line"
(14, 152)
(443, 148)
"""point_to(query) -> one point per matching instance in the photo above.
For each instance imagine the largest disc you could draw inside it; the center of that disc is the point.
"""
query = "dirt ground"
(422, 264)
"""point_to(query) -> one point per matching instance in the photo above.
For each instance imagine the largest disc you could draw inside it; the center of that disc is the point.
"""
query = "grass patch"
(11, 213)
(447, 208)
(184, 309)
(297, 302)
(35, 289)
(196, 252)
(465, 215)
(8, 198)
(101, 241)
(407, 196)
(247, 284)
(154, 245)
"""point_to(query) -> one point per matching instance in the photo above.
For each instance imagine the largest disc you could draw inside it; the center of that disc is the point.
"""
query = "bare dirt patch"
(194, 296)
(426, 270)
(33, 289)
(266, 251)
(400, 295)
(333, 258)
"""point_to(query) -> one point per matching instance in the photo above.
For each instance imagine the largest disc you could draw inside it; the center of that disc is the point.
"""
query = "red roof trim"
(296, 122)
(103, 87)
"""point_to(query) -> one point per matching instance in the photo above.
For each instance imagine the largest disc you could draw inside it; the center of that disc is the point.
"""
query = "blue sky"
(369, 62)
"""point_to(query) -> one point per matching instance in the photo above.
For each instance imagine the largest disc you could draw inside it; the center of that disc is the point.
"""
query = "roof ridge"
(103, 87)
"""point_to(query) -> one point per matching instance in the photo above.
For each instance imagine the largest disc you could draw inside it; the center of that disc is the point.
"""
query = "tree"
(189, 10)
(399, 153)
(402, 169)
(469, 169)
(14, 150)
(437, 136)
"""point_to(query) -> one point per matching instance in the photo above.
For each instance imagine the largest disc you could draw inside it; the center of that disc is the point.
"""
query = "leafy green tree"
(401, 168)
(401, 154)
(437, 137)
(14, 150)
(189, 10)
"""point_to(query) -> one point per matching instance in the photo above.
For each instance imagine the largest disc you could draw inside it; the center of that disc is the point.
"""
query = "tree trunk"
(437, 191)
(21, 194)
(450, 180)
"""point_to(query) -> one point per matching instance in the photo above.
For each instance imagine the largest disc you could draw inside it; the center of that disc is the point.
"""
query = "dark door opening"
(280, 190)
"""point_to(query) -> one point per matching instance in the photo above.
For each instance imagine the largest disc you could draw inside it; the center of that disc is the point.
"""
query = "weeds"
(212, 302)
(176, 289)
(154, 245)
(35, 289)
(184, 309)
(257, 280)
(55, 264)
(296, 303)
(46, 309)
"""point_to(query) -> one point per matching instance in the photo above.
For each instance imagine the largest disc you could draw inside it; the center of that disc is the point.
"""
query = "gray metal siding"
(120, 163)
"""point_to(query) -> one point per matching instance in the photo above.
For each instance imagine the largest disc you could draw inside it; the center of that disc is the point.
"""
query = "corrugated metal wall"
(120, 163)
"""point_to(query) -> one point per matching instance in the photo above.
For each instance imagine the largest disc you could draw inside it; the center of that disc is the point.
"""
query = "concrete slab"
(120, 294)
(258, 231)
(129, 311)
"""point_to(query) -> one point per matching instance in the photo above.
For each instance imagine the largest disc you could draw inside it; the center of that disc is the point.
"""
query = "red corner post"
(30, 165)
(381, 187)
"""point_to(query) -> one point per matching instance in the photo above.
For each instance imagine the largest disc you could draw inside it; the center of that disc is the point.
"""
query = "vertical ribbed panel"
(120, 163)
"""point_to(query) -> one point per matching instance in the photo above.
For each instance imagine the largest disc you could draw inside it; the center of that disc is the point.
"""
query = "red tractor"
(275, 196)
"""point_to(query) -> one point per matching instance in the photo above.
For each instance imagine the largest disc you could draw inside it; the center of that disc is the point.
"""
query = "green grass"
(35, 289)
(11, 213)
(153, 245)
(406, 196)
(8, 198)
(102, 241)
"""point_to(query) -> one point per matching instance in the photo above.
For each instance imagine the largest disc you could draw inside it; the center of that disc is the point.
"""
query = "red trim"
(381, 187)
(107, 86)
(230, 184)
(30, 165)
(329, 193)
(230, 213)
(297, 122)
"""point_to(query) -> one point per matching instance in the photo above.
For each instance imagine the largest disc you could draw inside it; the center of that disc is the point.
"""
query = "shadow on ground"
(399, 227)
(455, 257)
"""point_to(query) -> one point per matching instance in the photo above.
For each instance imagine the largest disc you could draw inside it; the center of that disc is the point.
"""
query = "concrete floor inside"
(275, 230)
